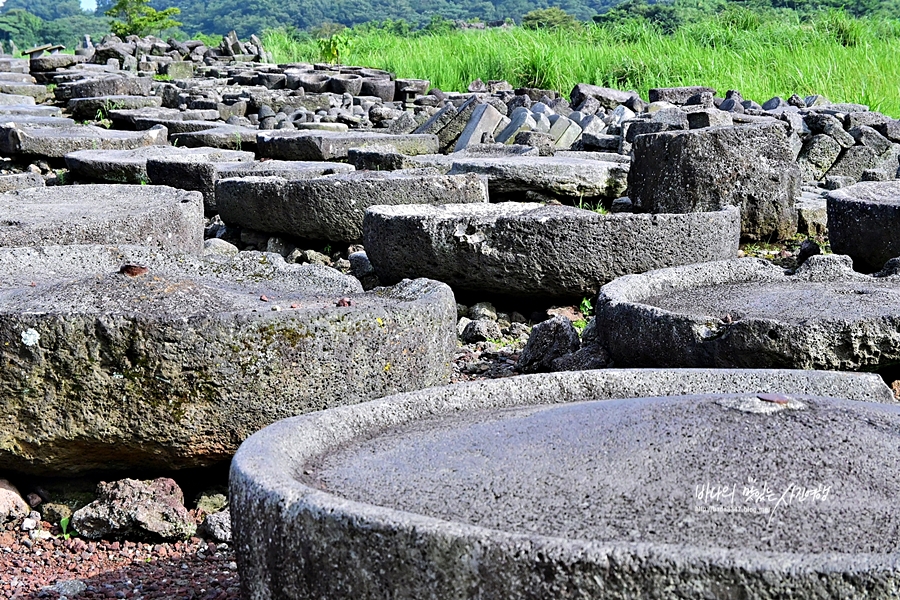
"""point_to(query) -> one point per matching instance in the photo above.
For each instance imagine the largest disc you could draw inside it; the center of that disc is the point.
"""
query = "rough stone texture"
(480, 330)
(12, 506)
(154, 216)
(56, 142)
(175, 367)
(133, 509)
(130, 166)
(608, 98)
(747, 313)
(104, 86)
(327, 145)
(853, 161)
(36, 121)
(201, 173)
(217, 526)
(705, 169)
(20, 181)
(817, 156)
(294, 540)
(678, 95)
(812, 215)
(205, 134)
(529, 250)
(549, 340)
(864, 223)
(565, 177)
(89, 108)
(332, 207)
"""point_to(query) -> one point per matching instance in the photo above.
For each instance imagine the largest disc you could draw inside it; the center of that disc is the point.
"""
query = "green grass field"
(845, 59)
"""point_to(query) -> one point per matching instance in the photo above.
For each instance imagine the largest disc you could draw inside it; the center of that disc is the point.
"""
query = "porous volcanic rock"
(864, 223)
(747, 313)
(122, 357)
(156, 216)
(547, 485)
(524, 249)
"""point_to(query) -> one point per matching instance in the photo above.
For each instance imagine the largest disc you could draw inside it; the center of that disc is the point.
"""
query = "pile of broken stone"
(309, 230)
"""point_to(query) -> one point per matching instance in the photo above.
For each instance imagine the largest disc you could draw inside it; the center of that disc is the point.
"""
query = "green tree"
(549, 18)
(21, 27)
(137, 17)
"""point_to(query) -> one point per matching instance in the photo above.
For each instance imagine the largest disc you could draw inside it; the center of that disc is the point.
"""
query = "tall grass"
(845, 59)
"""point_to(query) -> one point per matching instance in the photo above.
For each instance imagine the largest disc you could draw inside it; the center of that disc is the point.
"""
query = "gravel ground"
(56, 568)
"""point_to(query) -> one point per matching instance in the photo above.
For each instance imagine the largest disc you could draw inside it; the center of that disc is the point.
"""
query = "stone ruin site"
(315, 331)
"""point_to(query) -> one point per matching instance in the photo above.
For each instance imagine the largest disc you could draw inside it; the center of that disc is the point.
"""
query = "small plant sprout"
(67, 533)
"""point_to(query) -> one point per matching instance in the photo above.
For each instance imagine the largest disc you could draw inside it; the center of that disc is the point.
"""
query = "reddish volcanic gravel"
(194, 569)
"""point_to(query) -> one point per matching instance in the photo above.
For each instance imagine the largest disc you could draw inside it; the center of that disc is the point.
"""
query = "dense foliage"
(137, 17)
(253, 16)
(846, 59)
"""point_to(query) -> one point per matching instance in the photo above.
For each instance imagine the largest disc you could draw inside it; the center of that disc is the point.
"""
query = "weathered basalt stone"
(155, 216)
(129, 508)
(509, 177)
(529, 250)
(748, 314)
(139, 359)
(130, 166)
(864, 223)
(332, 207)
(750, 166)
(325, 145)
(542, 492)
(56, 142)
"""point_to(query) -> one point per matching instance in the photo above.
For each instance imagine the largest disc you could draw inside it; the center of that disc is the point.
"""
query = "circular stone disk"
(729, 471)
(155, 216)
(786, 301)
(750, 314)
(137, 358)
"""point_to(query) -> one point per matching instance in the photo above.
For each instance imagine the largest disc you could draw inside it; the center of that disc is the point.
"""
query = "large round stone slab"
(528, 250)
(864, 223)
(56, 142)
(748, 313)
(332, 207)
(579, 485)
(103, 214)
(130, 166)
(172, 361)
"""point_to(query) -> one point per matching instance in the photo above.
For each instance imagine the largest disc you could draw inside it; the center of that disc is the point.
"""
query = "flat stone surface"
(130, 166)
(36, 120)
(56, 142)
(155, 216)
(332, 207)
(173, 366)
(27, 110)
(286, 169)
(215, 135)
(864, 222)
(104, 85)
(529, 250)
(158, 116)
(88, 108)
(16, 100)
(200, 172)
(565, 177)
(748, 313)
(591, 471)
(535, 486)
(328, 145)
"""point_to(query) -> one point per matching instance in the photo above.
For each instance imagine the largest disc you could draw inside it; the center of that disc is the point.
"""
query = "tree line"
(29, 22)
